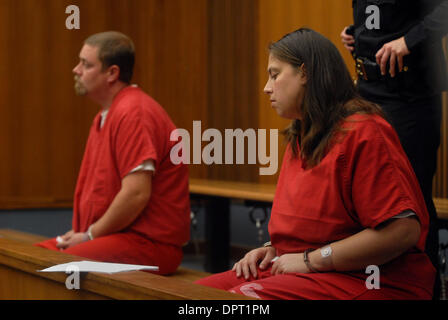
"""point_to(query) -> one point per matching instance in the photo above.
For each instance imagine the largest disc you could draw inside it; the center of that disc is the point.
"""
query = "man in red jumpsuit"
(131, 203)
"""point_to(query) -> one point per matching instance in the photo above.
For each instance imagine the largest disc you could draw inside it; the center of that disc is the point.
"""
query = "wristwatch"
(326, 252)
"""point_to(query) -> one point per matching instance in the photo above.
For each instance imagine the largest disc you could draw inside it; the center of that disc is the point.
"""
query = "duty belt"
(369, 70)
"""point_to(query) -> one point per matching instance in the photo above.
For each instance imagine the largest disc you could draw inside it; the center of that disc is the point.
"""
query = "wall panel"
(440, 183)
(44, 126)
(232, 72)
(202, 60)
(277, 18)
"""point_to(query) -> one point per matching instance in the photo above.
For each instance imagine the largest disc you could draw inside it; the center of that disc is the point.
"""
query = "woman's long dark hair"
(330, 94)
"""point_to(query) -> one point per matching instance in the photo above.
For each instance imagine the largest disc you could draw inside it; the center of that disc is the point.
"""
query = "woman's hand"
(289, 263)
(71, 239)
(248, 265)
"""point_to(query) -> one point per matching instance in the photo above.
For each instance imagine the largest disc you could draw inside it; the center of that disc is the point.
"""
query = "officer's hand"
(347, 40)
(393, 51)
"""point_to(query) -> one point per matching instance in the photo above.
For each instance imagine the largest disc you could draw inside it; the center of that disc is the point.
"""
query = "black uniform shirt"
(423, 23)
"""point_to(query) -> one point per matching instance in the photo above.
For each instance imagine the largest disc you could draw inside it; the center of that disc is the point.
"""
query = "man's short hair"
(114, 48)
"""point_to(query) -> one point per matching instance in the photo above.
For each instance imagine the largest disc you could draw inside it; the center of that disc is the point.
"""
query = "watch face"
(326, 252)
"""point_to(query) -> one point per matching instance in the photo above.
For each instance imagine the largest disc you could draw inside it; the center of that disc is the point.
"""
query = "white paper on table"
(102, 267)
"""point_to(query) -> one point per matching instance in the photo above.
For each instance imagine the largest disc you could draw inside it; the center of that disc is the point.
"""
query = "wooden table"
(233, 190)
(441, 205)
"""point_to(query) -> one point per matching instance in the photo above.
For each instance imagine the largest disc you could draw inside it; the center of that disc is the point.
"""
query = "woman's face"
(285, 87)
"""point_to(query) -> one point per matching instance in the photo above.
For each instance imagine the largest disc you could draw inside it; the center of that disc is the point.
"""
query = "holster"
(368, 70)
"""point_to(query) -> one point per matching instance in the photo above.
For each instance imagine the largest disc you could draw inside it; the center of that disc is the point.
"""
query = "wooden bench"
(218, 195)
(29, 238)
(19, 279)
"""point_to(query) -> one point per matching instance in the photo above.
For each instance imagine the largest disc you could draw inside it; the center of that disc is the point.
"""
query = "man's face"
(90, 79)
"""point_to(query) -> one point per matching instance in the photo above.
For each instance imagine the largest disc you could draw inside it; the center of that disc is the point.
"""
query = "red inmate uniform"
(136, 129)
(364, 180)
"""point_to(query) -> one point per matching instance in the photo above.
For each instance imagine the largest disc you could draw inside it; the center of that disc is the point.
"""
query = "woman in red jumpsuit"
(347, 199)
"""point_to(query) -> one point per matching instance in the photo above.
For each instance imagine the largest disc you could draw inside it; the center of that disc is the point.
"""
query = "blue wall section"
(242, 231)
(51, 223)
(48, 222)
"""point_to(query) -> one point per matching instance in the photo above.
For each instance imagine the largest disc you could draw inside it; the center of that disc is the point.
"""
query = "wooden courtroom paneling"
(232, 92)
(44, 126)
(440, 183)
(277, 18)
(19, 285)
(202, 60)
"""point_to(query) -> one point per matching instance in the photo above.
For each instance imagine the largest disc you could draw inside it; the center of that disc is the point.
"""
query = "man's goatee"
(80, 90)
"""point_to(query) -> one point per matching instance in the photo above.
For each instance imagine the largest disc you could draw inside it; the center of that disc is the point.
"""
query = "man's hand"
(393, 52)
(71, 239)
(248, 265)
(347, 40)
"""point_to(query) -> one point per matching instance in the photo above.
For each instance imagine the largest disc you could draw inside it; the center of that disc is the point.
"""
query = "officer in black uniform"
(401, 65)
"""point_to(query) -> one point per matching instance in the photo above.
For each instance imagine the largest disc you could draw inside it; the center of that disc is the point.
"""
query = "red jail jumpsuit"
(136, 129)
(364, 180)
